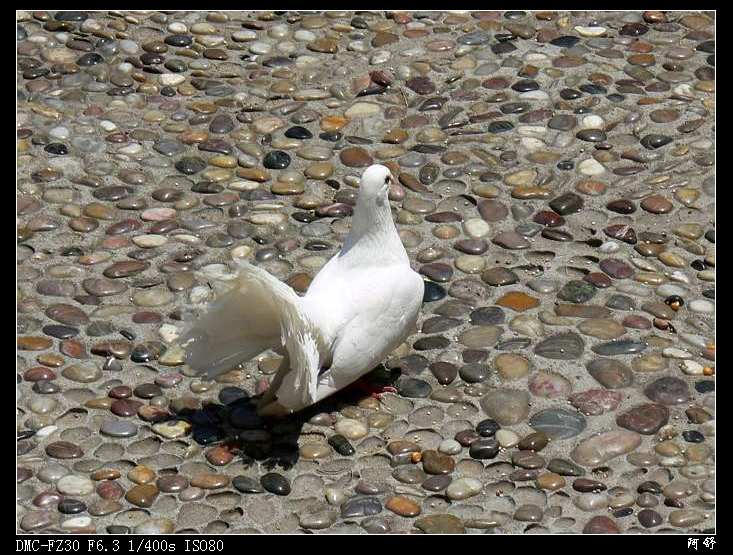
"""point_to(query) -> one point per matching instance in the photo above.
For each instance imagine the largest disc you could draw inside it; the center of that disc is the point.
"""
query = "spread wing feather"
(259, 313)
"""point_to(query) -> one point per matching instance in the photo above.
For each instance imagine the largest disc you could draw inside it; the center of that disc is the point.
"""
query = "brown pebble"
(403, 506)
(210, 481)
(142, 495)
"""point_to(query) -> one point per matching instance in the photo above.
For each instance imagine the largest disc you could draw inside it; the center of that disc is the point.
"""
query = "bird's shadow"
(233, 422)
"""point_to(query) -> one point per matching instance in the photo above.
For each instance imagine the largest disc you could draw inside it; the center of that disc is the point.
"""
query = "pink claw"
(262, 385)
(382, 390)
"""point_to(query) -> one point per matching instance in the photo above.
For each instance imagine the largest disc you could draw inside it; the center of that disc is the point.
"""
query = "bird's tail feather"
(260, 312)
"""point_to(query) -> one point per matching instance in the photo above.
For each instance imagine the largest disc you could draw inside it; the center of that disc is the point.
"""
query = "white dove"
(360, 306)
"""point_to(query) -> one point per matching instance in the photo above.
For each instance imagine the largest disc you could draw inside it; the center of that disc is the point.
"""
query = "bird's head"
(375, 183)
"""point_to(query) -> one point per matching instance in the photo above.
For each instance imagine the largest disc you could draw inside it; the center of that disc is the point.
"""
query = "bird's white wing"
(302, 339)
(259, 313)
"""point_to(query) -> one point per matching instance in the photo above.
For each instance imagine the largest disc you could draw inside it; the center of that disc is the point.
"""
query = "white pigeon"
(360, 306)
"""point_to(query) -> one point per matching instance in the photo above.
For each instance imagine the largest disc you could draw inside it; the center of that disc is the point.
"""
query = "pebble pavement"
(556, 188)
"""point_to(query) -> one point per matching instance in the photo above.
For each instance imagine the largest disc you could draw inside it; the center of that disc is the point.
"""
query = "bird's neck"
(373, 234)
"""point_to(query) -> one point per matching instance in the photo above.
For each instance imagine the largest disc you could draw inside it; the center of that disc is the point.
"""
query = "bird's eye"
(388, 180)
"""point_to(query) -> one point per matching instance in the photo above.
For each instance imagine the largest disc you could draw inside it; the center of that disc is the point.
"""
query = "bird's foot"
(373, 389)
(382, 390)
(262, 386)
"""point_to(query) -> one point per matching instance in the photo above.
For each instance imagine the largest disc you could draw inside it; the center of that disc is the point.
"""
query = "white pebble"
(669, 289)
(242, 251)
(452, 357)
(532, 130)
(59, 132)
(211, 40)
(46, 431)
(303, 35)
(411, 52)
(76, 522)
(201, 63)
(632, 288)
(259, 47)
(449, 447)
(379, 57)
(129, 46)
(351, 428)
(243, 185)
(171, 79)
(534, 95)
(592, 121)
(362, 110)
(702, 305)
(464, 488)
(476, 228)
(404, 72)
(680, 276)
(279, 31)
(177, 27)
(535, 57)
(132, 148)
(168, 333)
(265, 219)
(695, 340)
(507, 438)
(677, 460)
(609, 247)
(561, 140)
(685, 91)
(590, 31)
(186, 238)
(674, 352)
(691, 368)
(90, 25)
(643, 264)
(335, 496)
(463, 49)
(149, 240)
(107, 125)
(287, 47)
(75, 485)
(532, 144)
(245, 35)
(591, 166)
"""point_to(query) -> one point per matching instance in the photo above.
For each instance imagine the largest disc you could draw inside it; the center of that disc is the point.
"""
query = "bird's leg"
(271, 394)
